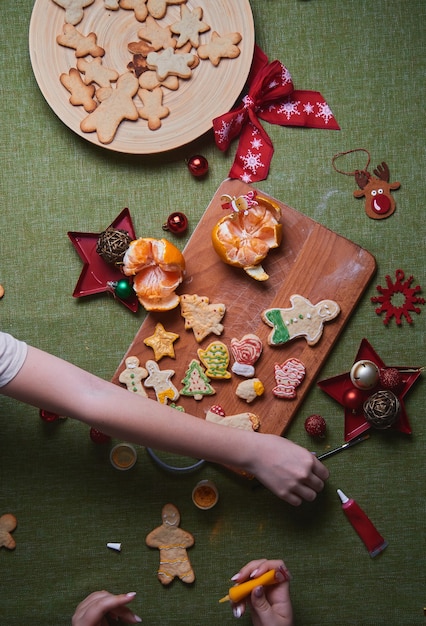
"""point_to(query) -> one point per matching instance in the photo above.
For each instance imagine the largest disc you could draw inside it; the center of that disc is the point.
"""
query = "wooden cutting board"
(312, 261)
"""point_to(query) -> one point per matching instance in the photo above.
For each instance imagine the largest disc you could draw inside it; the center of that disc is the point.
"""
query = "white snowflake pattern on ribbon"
(289, 108)
(252, 161)
(222, 133)
(324, 112)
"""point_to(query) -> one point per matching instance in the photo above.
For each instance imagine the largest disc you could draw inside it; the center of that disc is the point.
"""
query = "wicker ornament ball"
(381, 410)
(112, 245)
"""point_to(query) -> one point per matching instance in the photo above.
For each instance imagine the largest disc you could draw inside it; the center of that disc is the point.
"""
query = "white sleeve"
(12, 356)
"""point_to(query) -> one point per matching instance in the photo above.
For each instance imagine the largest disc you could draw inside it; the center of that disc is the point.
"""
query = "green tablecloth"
(368, 60)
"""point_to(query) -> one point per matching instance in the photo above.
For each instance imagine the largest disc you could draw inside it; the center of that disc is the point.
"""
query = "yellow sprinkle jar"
(123, 456)
(205, 495)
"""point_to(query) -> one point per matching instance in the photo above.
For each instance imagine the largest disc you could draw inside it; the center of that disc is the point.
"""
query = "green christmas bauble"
(123, 289)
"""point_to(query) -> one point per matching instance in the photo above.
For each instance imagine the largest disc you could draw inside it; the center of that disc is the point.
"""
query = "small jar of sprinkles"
(205, 495)
(123, 456)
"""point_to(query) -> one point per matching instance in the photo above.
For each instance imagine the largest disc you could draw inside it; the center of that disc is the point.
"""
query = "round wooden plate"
(210, 92)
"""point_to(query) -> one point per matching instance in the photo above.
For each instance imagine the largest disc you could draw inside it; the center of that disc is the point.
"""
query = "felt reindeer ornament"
(379, 202)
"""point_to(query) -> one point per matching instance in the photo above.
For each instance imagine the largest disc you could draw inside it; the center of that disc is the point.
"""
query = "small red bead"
(47, 416)
(98, 437)
(177, 223)
(198, 165)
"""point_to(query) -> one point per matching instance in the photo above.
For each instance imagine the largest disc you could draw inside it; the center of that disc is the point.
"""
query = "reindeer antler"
(362, 177)
(382, 172)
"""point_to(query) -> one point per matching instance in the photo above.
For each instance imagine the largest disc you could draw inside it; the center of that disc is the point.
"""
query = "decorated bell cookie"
(250, 389)
(246, 352)
(160, 380)
(244, 237)
(302, 319)
(215, 359)
(289, 375)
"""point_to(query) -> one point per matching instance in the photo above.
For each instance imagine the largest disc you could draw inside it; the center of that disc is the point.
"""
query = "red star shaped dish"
(98, 276)
(341, 389)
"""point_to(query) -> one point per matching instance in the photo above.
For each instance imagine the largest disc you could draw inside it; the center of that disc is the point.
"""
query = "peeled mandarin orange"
(244, 238)
(158, 267)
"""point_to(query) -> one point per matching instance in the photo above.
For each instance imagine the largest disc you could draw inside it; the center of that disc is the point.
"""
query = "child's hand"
(270, 605)
(92, 610)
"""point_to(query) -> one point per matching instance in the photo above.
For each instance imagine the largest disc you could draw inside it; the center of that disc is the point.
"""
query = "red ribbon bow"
(271, 97)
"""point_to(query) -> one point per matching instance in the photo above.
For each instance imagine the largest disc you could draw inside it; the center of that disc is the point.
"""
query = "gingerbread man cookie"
(74, 9)
(302, 319)
(118, 106)
(7, 525)
(133, 375)
(81, 44)
(172, 542)
(160, 380)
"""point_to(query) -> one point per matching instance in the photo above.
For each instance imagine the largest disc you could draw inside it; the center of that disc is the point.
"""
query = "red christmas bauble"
(98, 437)
(316, 426)
(198, 165)
(47, 416)
(177, 223)
(353, 399)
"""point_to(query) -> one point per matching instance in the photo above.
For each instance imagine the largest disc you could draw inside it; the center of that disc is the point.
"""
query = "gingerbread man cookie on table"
(172, 542)
(133, 375)
(302, 319)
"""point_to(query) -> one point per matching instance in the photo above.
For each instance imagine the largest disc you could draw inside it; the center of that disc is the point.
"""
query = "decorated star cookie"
(162, 342)
(302, 319)
(160, 380)
(204, 318)
(167, 63)
(189, 27)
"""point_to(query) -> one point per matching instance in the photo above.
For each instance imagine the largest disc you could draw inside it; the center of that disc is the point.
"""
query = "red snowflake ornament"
(392, 292)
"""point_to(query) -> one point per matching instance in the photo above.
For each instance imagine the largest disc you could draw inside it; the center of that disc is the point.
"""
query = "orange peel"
(244, 237)
(158, 268)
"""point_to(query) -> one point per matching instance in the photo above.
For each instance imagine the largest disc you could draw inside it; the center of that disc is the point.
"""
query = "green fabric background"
(368, 60)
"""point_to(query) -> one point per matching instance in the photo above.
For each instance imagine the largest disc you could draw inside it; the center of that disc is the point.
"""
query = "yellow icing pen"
(239, 592)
